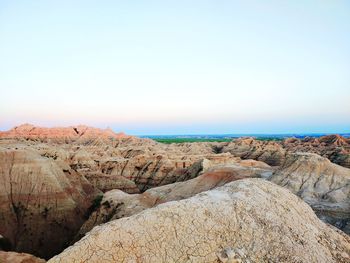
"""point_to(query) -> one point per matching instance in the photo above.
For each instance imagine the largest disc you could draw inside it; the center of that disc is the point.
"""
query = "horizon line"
(146, 134)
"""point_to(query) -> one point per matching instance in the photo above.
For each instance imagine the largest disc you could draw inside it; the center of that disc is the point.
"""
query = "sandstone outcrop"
(60, 134)
(149, 170)
(148, 166)
(57, 177)
(42, 204)
(117, 204)
(334, 147)
(322, 184)
(248, 220)
(269, 152)
(54, 178)
(13, 257)
(105, 182)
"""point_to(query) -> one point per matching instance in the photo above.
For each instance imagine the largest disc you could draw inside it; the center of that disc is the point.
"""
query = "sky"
(177, 67)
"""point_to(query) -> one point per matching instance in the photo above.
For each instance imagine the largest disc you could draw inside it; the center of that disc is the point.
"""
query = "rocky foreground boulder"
(325, 186)
(249, 220)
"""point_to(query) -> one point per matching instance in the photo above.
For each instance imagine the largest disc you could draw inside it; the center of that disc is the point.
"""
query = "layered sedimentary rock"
(269, 152)
(117, 204)
(106, 182)
(113, 156)
(334, 147)
(50, 185)
(42, 204)
(53, 176)
(248, 220)
(60, 134)
(322, 184)
(146, 166)
(150, 170)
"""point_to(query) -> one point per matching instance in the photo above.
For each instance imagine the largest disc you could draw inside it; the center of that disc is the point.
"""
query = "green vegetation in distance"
(183, 140)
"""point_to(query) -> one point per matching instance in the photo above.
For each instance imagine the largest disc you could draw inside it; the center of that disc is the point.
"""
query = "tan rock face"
(322, 184)
(105, 182)
(117, 204)
(41, 205)
(249, 220)
(48, 192)
(113, 156)
(60, 134)
(13, 257)
(147, 166)
(334, 147)
(314, 178)
(149, 170)
(248, 148)
(54, 182)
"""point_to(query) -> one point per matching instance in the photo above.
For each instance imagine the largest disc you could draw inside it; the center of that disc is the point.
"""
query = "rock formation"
(334, 147)
(60, 134)
(50, 185)
(42, 204)
(322, 184)
(58, 183)
(269, 152)
(117, 204)
(13, 257)
(106, 182)
(248, 220)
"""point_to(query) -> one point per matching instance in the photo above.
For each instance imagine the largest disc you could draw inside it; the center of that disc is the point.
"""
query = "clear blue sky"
(167, 67)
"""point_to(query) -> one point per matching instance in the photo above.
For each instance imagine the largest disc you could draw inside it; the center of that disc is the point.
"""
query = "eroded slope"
(250, 220)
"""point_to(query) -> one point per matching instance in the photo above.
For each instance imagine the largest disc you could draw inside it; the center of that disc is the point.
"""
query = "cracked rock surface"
(117, 204)
(323, 185)
(250, 220)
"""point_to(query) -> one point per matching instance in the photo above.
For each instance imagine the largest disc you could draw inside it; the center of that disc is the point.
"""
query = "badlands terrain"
(82, 194)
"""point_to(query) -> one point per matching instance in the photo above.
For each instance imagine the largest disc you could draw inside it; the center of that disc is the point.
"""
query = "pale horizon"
(160, 68)
(189, 133)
